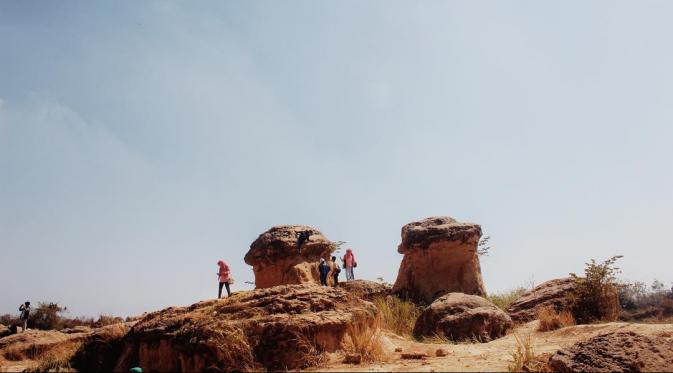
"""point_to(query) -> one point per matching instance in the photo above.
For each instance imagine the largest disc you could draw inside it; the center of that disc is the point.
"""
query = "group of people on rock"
(329, 272)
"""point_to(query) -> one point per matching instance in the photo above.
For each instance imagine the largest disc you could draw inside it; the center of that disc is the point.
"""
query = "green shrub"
(596, 294)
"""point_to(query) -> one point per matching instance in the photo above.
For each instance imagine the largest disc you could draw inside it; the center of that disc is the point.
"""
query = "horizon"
(140, 143)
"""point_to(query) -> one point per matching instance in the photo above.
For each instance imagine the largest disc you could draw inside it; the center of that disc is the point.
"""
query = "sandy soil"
(492, 356)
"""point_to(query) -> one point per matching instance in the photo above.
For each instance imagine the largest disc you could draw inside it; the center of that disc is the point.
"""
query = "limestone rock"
(367, 290)
(459, 317)
(615, 352)
(282, 327)
(277, 258)
(550, 294)
(440, 256)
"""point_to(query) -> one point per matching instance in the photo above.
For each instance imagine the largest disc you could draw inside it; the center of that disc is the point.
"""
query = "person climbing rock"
(224, 276)
(302, 237)
(336, 270)
(324, 270)
(349, 264)
(25, 314)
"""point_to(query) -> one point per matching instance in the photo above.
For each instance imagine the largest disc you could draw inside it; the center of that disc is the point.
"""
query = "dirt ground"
(492, 356)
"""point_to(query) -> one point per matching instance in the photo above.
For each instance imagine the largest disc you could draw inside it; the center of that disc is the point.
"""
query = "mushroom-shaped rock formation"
(549, 294)
(459, 317)
(440, 256)
(281, 256)
(278, 328)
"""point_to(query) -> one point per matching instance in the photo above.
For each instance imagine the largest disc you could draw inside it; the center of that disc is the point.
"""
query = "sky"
(141, 142)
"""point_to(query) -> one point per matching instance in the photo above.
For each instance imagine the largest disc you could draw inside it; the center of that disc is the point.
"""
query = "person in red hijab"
(349, 264)
(224, 276)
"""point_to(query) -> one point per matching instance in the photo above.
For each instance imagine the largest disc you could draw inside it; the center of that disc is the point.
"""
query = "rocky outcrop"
(459, 317)
(33, 344)
(4, 331)
(615, 352)
(283, 327)
(550, 294)
(367, 290)
(102, 348)
(440, 256)
(277, 258)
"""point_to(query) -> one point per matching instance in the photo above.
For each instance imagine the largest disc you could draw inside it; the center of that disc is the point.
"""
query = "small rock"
(399, 349)
(413, 355)
(441, 352)
(353, 359)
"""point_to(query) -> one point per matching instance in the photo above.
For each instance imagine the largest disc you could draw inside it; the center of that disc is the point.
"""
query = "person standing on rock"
(25, 313)
(223, 276)
(335, 270)
(324, 270)
(349, 264)
(302, 237)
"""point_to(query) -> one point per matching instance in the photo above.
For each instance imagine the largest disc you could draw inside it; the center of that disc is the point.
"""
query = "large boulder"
(550, 294)
(459, 317)
(284, 327)
(440, 256)
(277, 258)
(367, 290)
(615, 352)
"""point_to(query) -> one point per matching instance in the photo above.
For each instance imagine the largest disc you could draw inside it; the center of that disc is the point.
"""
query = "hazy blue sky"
(140, 142)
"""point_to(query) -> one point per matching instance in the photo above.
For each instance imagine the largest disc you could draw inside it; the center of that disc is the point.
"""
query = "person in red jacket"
(349, 264)
(224, 276)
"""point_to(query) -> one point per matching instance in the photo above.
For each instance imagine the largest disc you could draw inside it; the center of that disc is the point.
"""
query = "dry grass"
(436, 339)
(550, 319)
(366, 341)
(524, 358)
(504, 299)
(311, 355)
(398, 316)
(57, 359)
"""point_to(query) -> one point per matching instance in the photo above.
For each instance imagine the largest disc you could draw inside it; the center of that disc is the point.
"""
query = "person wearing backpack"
(335, 271)
(324, 270)
(25, 314)
(224, 277)
(349, 264)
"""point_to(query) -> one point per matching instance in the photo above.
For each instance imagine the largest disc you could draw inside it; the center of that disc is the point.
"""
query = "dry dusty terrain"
(492, 356)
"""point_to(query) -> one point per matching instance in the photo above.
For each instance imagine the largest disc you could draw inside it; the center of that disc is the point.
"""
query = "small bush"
(667, 307)
(398, 316)
(524, 358)
(596, 294)
(504, 299)
(550, 319)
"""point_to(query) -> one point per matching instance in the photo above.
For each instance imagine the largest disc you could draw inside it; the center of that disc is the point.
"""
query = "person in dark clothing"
(302, 237)
(335, 271)
(25, 313)
(324, 270)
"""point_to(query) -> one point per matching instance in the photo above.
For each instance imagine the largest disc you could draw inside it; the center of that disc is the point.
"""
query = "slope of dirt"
(492, 356)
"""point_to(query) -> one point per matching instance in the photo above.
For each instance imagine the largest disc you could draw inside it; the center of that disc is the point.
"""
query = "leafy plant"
(595, 296)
